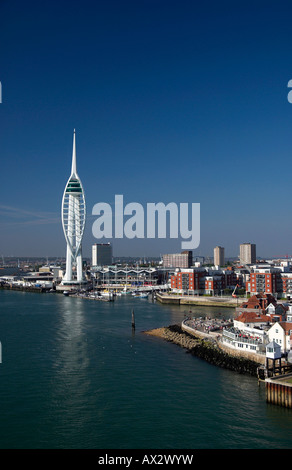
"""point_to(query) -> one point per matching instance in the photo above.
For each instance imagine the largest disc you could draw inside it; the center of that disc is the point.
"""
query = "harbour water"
(75, 376)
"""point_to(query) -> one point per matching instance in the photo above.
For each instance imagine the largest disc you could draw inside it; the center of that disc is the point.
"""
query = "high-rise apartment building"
(247, 253)
(219, 259)
(102, 254)
(178, 260)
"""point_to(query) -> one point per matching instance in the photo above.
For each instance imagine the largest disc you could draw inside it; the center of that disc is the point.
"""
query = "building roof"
(273, 345)
(260, 300)
(287, 326)
(252, 317)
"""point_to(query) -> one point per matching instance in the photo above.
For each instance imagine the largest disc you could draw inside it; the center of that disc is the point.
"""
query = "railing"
(239, 338)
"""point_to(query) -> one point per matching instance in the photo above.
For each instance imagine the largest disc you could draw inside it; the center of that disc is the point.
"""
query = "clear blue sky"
(172, 101)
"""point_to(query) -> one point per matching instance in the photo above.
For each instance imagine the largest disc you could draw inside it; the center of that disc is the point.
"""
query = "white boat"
(107, 295)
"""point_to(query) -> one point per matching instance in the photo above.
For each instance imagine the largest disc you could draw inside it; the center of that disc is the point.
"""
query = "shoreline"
(206, 348)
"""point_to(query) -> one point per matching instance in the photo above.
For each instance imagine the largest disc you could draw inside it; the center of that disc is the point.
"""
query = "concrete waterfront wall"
(25, 288)
(259, 358)
(198, 300)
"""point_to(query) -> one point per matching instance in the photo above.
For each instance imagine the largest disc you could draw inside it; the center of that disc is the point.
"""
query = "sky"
(172, 101)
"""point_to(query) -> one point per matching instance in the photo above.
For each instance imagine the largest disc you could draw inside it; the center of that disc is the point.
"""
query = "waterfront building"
(214, 284)
(204, 280)
(259, 321)
(289, 313)
(247, 253)
(73, 222)
(281, 333)
(251, 320)
(265, 279)
(102, 254)
(219, 279)
(219, 259)
(178, 260)
(248, 341)
(258, 302)
(189, 280)
(114, 276)
(287, 284)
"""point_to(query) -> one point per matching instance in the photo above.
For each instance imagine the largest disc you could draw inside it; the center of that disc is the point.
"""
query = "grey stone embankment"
(206, 349)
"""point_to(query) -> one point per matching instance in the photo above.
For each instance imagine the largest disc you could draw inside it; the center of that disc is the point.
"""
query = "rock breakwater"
(206, 349)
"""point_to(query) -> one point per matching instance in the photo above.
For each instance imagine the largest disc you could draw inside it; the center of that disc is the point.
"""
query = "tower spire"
(73, 169)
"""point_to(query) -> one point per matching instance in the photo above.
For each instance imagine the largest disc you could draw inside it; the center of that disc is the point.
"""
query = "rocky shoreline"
(206, 349)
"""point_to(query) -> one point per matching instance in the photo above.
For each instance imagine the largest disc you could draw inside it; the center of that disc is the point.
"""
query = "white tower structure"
(73, 221)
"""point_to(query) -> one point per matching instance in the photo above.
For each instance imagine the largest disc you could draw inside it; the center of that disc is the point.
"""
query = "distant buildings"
(247, 253)
(219, 259)
(102, 254)
(178, 260)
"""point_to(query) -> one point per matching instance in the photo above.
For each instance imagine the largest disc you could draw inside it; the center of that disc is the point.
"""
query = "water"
(74, 376)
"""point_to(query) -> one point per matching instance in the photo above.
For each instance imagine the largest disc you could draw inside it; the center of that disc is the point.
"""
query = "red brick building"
(267, 280)
(202, 280)
(188, 279)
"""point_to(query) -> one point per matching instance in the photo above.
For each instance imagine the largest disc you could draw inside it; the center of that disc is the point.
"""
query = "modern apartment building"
(287, 285)
(189, 279)
(247, 253)
(204, 280)
(266, 280)
(219, 259)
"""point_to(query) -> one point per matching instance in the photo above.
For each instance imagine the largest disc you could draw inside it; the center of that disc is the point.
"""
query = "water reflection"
(71, 380)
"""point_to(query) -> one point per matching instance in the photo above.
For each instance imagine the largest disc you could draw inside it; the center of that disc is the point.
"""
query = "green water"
(74, 376)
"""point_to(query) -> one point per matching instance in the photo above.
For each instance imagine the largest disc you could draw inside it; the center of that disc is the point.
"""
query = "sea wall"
(206, 349)
(198, 300)
(24, 288)
(278, 391)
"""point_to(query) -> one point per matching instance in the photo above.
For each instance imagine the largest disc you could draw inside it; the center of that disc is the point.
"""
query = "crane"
(233, 293)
